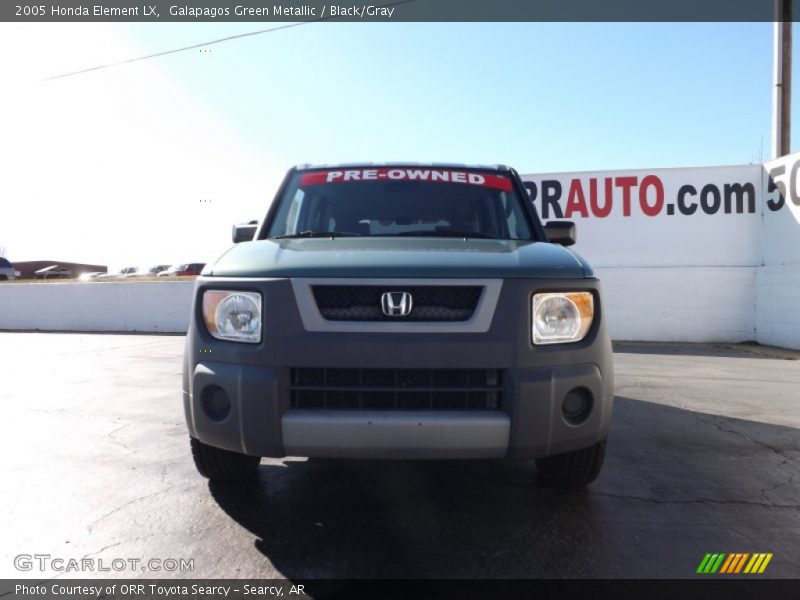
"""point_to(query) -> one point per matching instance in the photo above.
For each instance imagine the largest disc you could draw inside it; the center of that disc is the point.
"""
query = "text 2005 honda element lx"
(400, 312)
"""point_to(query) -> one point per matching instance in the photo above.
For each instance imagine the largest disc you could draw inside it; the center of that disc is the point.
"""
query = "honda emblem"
(396, 304)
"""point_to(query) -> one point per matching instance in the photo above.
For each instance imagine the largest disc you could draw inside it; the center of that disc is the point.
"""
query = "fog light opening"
(216, 403)
(577, 406)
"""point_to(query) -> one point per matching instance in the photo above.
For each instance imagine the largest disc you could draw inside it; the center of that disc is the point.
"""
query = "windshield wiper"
(316, 234)
(447, 233)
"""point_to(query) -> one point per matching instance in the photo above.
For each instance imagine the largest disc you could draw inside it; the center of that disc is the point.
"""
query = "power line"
(204, 44)
(173, 51)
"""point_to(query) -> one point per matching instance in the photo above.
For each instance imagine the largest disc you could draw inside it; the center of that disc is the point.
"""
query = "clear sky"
(152, 162)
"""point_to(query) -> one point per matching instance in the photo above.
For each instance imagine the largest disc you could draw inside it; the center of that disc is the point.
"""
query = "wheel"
(572, 469)
(222, 465)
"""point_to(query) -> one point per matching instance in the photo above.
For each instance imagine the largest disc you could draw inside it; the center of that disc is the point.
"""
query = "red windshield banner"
(394, 174)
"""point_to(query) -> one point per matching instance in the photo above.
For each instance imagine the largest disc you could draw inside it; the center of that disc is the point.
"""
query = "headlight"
(232, 315)
(561, 318)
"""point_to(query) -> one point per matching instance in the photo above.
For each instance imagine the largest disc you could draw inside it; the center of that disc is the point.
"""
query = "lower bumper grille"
(396, 389)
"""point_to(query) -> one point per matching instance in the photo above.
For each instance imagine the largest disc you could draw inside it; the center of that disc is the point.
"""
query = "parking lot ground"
(703, 456)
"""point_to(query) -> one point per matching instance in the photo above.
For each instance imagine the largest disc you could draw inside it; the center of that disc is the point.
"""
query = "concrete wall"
(706, 254)
(642, 303)
(151, 306)
(695, 217)
(688, 304)
(778, 298)
(777, 305)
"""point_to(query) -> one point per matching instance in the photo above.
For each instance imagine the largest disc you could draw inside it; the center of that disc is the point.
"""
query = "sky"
(153, 161)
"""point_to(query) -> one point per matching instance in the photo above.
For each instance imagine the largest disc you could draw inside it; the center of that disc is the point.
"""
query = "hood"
(399, 257)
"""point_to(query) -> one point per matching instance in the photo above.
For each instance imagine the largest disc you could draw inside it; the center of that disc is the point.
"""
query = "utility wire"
(173, 51)
(204, 44)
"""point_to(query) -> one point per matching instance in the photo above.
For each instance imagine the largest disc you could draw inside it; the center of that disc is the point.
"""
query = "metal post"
(782, 77)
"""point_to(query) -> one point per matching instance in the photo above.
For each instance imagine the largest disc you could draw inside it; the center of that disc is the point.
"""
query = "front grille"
(430, 303)
(396, 389)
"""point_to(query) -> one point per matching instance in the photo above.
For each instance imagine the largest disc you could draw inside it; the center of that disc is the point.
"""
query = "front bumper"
(396, 434)
(528, 424)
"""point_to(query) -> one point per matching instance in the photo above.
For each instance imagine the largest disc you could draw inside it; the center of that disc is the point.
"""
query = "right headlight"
(232, 315)
(561, 317)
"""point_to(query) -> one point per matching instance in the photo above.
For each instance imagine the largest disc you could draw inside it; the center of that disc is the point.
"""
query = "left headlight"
(232, 315)
(561, 317)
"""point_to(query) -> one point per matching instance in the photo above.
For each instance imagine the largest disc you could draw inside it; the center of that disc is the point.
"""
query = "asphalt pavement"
(703, 457)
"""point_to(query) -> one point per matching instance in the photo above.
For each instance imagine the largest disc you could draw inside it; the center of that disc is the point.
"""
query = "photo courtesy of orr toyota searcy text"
(136, 590)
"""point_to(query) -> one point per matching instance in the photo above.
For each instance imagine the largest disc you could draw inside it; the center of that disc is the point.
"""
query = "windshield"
(372, 202)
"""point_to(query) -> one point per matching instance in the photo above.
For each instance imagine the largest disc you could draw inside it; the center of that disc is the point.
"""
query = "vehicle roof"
(4, 263)
(433, 165)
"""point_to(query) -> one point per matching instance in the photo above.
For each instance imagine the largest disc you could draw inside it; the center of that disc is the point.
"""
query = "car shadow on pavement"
(676, 484)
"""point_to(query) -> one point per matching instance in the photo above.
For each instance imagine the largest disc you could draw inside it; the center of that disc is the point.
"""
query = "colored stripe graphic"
(754, 563)
(733, 563)
(765, 563)
(741, 562)
(703, 563)
(727, 564)
(710, 563)
(719, 562)
(713, 567)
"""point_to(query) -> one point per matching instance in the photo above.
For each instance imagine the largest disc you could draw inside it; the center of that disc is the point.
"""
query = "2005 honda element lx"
(399, 312)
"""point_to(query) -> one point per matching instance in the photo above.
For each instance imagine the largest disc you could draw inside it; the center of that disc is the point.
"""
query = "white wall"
(148, 306)
(678, 261)
(642, 303)
(652, 228)
(778, 299)
(777, 302)
(688, 304)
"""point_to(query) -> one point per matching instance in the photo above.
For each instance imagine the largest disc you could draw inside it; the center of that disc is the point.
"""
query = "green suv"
(399, 312)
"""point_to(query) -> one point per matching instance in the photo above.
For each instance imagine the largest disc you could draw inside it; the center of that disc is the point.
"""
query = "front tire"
(572, 469)
(217, 464)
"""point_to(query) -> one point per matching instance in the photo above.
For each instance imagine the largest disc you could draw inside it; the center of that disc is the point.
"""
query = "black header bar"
(389, 10)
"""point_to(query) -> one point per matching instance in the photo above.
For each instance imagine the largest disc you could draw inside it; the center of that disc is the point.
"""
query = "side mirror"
(561, 232)
(245, 232)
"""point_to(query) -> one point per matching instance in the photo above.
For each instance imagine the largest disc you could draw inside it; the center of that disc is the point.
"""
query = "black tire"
(572, 469)
(217, 464)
